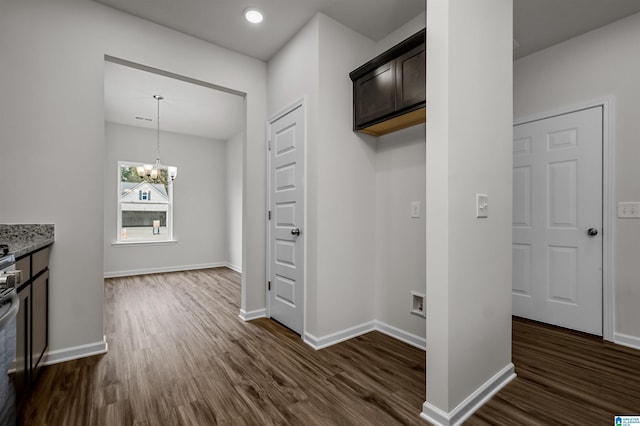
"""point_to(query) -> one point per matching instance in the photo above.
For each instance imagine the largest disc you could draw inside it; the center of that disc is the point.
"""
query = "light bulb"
(253, 15)
(173, 172)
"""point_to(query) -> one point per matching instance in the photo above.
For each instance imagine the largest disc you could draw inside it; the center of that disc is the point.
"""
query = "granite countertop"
(24, 239)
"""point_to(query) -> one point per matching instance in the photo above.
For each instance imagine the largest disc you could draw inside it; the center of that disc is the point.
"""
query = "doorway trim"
(300, 102)
(608, 214)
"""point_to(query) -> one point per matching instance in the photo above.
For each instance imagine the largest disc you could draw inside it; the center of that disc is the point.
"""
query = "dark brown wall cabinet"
(389, 91)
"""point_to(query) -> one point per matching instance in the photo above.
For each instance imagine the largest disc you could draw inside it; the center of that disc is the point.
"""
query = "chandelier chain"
(159, 98)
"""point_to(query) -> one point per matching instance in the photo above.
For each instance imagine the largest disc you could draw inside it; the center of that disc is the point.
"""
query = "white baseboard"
(318, 343)
(472, 403)
(158, 270)
(626, 340)
(406, 337)
(236, 268)
(76, 352)
(251, 315)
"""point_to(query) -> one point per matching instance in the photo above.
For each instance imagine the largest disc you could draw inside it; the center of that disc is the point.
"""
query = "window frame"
(169, 220)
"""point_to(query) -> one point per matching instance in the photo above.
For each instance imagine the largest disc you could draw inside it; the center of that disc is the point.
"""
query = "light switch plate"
(482, 205)
(415, 209)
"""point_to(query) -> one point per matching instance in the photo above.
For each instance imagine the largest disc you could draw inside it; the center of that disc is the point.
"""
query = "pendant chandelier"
(152, 171)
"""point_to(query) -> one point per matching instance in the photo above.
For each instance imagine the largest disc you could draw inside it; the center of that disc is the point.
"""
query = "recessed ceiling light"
(253, 15)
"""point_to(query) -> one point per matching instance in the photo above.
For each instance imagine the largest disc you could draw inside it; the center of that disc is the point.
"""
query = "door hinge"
(269, 144)
(269, 285)
(269, 216)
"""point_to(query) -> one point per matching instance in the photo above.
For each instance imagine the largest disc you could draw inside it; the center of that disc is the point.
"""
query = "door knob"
(295, 231)
(592, 232)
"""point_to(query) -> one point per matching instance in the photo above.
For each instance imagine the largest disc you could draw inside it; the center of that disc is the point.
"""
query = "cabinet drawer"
(40, 260)
(24, 265)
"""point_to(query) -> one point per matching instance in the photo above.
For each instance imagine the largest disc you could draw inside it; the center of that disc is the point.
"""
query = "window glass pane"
(144, 205)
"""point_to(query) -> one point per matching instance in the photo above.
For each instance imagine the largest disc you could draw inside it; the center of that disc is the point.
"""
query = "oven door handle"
(14, 300)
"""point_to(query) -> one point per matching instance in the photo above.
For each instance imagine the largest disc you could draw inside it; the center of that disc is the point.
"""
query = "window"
(145, 206)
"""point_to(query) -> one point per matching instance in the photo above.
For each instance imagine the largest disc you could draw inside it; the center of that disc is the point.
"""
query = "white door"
(286, 205)
(557, 220)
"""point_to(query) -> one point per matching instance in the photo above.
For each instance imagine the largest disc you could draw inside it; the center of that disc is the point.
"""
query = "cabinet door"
(411, 78)
(21, 378)
(39, 323)
(375, 94)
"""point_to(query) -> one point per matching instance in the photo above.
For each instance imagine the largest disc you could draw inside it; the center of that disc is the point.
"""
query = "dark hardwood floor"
(564, 377)
(179, 355)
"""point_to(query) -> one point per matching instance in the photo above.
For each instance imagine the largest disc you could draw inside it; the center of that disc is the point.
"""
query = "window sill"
(142, 243)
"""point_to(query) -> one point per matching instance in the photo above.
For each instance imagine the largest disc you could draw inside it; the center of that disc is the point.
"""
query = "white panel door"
(557, 220)
(286, 204)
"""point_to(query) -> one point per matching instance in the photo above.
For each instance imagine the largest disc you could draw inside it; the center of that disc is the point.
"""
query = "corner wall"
(233, 165)
(292, 75)
(353, 277)
(340, 173)
(52, 113)
(346, 187)
(594, 66)
(400, 239)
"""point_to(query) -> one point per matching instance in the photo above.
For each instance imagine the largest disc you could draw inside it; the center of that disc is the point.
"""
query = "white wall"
(469, 132)
(596, 65)
(52, 115)
(346, 217)
(200, 213)
(234, 201)
(405, 31)
(400, 239)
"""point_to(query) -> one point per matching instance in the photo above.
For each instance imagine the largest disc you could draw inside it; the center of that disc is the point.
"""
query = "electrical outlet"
(417, 304)
(629, 209)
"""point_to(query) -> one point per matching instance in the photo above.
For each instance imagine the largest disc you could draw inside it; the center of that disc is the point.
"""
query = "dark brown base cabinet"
(389, 91)
(33, 320)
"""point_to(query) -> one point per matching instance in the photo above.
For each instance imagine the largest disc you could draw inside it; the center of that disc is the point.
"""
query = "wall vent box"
(417, 304)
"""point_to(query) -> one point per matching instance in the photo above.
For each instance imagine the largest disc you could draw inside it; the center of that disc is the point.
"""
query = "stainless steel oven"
(9, 305)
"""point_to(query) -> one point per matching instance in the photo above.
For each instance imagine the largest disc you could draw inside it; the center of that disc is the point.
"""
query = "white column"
(469, 138)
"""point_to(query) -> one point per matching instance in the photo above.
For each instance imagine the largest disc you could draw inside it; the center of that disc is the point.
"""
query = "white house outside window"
(145, 207)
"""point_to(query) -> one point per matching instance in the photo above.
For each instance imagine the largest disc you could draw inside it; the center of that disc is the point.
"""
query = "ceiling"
(187, 108)
(202, 111)
(221, 21)
(538, 24)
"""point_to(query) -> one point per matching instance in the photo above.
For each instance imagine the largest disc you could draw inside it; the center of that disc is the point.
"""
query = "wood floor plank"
(179, 355)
